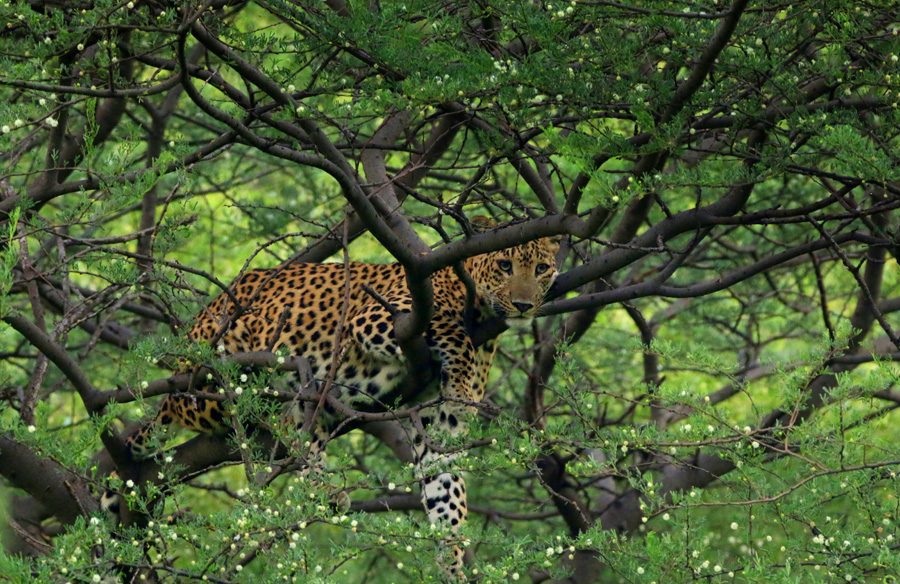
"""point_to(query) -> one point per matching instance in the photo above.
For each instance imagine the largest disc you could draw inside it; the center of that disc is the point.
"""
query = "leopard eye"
(504, 265)
(541, 268)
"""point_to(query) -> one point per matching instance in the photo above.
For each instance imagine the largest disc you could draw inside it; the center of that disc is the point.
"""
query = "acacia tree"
(708, 394)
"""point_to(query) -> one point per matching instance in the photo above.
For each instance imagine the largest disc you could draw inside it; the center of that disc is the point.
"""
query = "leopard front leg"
(444, 492)
(463, 375)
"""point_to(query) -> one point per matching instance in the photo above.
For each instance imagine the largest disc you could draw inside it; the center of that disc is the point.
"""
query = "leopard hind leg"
(197, 414)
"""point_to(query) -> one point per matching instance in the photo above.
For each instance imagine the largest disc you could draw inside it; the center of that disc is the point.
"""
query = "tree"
(709, 394)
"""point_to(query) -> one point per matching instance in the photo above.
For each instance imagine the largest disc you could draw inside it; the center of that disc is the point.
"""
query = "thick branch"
(63, 493)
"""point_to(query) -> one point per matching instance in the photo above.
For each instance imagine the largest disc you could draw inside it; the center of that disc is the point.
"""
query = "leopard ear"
(554, 241)
(480, 224)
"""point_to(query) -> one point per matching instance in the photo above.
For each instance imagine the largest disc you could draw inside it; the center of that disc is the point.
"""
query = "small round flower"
(5, 129)
(130, 5)
(734, 525)
(31, 428)
(80, 47)
(52, 122)
(129, 483)
(640, 570)
(399, 565)
(19, 123)
(42, 101)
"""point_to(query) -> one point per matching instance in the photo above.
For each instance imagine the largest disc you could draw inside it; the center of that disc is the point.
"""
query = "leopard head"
(512, 282)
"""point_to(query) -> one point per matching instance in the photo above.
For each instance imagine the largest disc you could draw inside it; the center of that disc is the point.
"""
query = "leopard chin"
(519, 323)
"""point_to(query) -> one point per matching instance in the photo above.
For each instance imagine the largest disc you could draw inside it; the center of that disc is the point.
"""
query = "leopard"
(304, 309)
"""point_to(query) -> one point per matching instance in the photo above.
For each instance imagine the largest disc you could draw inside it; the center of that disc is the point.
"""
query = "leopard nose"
(523, 307)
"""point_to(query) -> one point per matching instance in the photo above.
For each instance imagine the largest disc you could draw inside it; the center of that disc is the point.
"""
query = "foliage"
(727, 181)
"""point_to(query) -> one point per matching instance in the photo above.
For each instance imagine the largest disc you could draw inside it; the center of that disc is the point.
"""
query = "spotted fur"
(298, 307)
